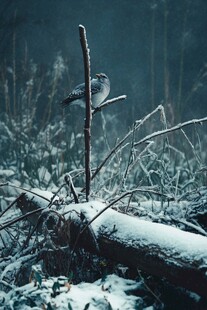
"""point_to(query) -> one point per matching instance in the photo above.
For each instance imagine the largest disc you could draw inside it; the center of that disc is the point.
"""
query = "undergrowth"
(161, 168)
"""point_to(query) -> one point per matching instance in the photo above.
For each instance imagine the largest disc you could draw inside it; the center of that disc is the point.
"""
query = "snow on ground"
(113, 291)
(6, 173)
(46, 194)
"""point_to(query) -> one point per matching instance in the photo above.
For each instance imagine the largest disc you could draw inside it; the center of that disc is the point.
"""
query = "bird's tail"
(65, 103)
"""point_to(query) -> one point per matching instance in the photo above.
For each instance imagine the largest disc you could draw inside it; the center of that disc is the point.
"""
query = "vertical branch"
(87, 128)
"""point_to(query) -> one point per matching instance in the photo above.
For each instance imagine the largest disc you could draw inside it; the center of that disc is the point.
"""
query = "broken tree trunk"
(161, 250)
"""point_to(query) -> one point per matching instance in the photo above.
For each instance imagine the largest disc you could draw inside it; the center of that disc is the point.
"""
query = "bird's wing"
(79, 92)
(95, 86)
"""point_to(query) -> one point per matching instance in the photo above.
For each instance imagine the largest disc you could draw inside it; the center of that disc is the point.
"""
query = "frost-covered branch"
(168, 130)
(136, 127)
(107, 103)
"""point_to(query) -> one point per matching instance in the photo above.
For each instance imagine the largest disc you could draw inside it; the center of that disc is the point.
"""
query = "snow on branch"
(168, 130)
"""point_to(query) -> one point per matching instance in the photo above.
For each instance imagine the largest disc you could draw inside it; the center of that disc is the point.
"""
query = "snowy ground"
(112, 293)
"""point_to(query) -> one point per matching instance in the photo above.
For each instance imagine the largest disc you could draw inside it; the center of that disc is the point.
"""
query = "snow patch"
(113, 291)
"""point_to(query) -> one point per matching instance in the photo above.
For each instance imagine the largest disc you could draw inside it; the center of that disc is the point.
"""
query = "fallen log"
(161, 250)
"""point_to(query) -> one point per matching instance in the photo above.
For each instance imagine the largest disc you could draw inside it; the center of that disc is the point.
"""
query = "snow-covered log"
(161, 250)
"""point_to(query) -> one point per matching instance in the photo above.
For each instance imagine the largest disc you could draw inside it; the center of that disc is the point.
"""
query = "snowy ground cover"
(167, 179)
(112, 292)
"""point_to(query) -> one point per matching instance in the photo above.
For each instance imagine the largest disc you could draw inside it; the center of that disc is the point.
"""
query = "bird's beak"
(98, 75)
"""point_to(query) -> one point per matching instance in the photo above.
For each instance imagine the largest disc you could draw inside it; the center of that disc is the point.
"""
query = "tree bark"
(161, 250)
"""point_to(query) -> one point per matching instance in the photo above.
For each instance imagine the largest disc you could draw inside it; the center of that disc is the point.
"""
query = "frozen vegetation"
(148, 197)
(165, 185)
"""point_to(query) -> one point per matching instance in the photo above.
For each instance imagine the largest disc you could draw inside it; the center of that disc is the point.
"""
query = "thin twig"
(119, 198)
(107, 103)
(168, 130)
(148, 288)
(20, 218)
(69, 182)
(9, 207)
(55, 195)
(131, 155)
(200, 230)
(138, 124)
(192, 147)
(24, 189)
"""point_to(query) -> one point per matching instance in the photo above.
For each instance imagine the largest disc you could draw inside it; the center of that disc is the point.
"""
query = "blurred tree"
(153, 51)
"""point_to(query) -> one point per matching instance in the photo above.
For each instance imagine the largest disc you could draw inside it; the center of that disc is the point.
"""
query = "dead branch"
(174, 128)
(107, 103)
(69, 182)
(87, 128)
(136, 127)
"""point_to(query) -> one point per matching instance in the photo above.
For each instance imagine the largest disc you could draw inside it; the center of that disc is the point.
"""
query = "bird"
(100, 88)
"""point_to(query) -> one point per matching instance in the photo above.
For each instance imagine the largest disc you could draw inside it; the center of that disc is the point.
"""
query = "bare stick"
(87, 128)
(174, 128)
(69, 182)
(108, 102)
(9, 207)
(20, 218)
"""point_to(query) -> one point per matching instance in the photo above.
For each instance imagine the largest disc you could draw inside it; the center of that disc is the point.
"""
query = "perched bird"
(100, 89)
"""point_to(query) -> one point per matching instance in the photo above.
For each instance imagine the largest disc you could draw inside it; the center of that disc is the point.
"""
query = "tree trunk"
(158, 249)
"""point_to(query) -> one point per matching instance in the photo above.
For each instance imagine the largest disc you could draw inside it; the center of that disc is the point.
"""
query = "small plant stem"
(69, 182)
(9, 207)
(87, 128)
(19, 218)
(174, 128)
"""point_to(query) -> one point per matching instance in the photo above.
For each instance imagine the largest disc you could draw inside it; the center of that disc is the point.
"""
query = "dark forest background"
(153, 51)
